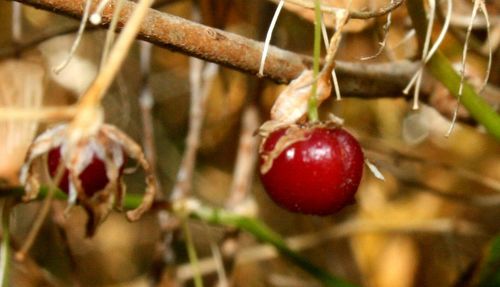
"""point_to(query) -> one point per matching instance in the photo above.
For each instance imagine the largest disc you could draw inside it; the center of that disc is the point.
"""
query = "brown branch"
(353, 14)
(237, 52)
(25, 44)
(372, 14)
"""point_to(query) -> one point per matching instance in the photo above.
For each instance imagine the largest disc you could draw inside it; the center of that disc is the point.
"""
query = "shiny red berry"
(312, 169)
(93, 177)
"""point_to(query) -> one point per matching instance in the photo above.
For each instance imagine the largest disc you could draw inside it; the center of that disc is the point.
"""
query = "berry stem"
(312, 109)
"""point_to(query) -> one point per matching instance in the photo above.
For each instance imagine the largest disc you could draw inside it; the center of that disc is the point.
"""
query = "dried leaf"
(291, 104)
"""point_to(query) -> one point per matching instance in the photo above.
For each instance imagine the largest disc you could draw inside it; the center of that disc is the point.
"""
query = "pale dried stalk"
(418, 76)
(89, 105)
(245, 159)
(201, 80)
(146, 102)
(110, 34)
(196, 112)
(334, 74)
(39, 114)
(463, 65)
(464, 21)
(41, 215)
(382, 44)
(268, 37)
(426, 52)
(391, 153)
(346, 229)
(78, 38)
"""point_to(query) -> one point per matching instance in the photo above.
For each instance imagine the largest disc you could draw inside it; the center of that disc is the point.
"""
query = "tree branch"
(237, 52)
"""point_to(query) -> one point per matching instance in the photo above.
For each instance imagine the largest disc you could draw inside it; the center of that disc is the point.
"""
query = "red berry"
(312, 169)
(93, 177)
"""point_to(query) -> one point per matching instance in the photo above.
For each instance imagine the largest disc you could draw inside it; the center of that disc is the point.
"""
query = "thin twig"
(382, 44)
(352, 14)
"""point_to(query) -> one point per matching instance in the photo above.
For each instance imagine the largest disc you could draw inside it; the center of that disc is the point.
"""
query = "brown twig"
(380, 12)
(237, 52)
(353, 14)
(22, 45)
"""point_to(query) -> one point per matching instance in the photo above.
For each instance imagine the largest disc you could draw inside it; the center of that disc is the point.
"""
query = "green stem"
(263, 233)
(312, 108)
(193, 258)
(222, 217)
(441, 68)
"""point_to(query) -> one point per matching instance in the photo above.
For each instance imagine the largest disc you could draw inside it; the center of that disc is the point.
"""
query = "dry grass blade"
(382, 44)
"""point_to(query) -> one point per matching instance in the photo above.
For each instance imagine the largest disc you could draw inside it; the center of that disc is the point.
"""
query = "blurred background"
(427, 224)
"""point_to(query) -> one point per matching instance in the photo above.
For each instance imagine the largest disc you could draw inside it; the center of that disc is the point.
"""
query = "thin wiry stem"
(146, 102)
(352, 14)
(427, 42)
(183, 182)
(490, 48)
(268, 38)
(78, 38)
(382, 44)
(43, 212)
(101, 84)
(463, 67)
(334, 74)
(427, 52)
(110, 34)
